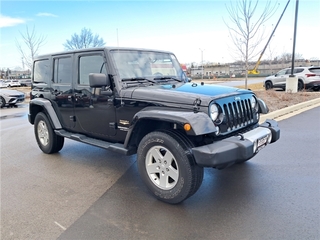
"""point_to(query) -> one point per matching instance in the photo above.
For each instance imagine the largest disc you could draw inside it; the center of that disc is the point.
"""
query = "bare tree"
(270, 56)
(84, 40)
(287, 57)
(247, 27)
(33, 42)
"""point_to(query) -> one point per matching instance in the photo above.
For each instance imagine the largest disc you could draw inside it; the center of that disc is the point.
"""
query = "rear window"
(315, 70)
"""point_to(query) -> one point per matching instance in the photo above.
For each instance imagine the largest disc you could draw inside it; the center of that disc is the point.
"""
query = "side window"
(281, 72)
(41, 71)
(62, 70)
(298, 70)
(90, 64)
(288, 71)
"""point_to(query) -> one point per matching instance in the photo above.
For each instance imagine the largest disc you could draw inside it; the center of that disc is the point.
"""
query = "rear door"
(62, 90)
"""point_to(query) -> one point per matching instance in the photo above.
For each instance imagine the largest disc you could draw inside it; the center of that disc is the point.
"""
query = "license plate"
(262, 141)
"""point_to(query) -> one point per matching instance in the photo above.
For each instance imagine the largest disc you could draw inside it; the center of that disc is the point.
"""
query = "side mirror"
(98, 80)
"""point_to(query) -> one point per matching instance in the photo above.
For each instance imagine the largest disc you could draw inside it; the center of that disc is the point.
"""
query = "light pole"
(201, 61)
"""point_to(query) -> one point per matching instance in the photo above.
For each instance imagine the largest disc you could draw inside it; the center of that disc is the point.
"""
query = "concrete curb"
(291, 109)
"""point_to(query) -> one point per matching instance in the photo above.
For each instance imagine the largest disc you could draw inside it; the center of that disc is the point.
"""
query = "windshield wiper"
(167, 78)
(138, 79)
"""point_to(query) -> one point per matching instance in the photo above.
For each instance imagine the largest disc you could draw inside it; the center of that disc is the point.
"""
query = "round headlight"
(253, 102)
(214, 112)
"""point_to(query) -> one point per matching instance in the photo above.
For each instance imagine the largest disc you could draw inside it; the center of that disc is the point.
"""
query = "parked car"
(9, 97)
(25, 82)
(308, 78)
(3, 84)
(12, 83)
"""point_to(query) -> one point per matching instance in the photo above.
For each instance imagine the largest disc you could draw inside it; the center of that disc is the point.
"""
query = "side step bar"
(116, 147)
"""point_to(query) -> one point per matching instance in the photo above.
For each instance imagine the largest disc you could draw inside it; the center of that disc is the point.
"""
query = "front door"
(93, 107)
(280, 79)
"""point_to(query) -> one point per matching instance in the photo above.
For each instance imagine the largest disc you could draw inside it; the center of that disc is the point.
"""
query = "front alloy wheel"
(2, 102)
(268, 85)
(162, 167)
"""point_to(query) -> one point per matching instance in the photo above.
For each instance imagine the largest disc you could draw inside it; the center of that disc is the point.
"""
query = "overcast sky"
(183, 27)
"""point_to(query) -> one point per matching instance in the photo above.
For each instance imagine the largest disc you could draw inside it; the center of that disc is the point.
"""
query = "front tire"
(167, 167)
(47, 140)
(2, 102)
(268, 85)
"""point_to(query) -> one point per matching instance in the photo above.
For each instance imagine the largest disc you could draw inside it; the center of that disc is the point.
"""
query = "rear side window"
(41, 71)
(62, 70)
(288, 71)
(90, 64)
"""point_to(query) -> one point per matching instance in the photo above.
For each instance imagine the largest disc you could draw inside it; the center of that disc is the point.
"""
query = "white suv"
(12, 83)
(308, 78)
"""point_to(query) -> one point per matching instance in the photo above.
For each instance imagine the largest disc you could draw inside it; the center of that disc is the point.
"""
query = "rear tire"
(300, 85)
(47, 140)
(167, 167)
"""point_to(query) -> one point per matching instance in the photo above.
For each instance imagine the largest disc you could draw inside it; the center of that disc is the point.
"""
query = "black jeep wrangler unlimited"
(139, 101)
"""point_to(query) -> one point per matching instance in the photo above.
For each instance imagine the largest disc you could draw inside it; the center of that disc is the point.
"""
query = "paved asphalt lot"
(88, 193)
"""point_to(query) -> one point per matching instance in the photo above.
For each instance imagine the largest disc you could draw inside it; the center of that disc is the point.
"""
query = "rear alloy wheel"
(2, 102)
(300, 85)
(47, 140)
(167, 167)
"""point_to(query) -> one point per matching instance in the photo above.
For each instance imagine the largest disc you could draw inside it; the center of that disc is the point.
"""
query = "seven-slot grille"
(238, 114)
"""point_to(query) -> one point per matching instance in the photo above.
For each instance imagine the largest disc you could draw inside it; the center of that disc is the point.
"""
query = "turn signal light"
(187, 127)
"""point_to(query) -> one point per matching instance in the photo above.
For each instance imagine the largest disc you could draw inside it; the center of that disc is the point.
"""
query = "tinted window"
(41, 71)
(62, 70)
(315, 70)
(298, 70)
(90, 64)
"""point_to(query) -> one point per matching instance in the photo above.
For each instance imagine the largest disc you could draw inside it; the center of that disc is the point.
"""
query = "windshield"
(157, 66)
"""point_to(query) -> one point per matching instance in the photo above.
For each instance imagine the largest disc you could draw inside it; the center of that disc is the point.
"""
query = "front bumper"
(237, 148)
(14, 100)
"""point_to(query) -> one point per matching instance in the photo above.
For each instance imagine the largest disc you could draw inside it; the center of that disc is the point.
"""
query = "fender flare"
(47, 106)
(200, 122)
(263, 108)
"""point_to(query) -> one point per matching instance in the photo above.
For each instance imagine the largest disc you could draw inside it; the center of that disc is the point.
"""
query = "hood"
(10, 92)
(184, 93)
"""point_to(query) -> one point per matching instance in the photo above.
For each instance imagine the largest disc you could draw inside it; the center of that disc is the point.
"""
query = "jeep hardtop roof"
(98, 49)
